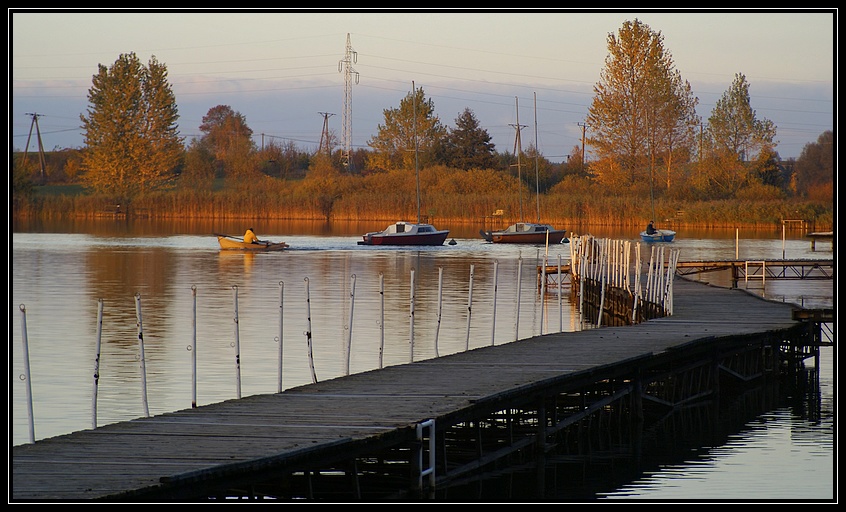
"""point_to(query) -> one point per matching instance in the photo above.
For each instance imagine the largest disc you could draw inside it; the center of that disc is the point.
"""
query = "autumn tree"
(733, 127)
(738, 148)
(468, 145)
(814, 169)
(227, 137)
(198, 168)
(131, 132)
(642, 114)
(414, 121)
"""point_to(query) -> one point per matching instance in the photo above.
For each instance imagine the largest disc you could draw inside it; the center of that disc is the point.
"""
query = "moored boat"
(228, 242)
(406, 233)
(526, 233)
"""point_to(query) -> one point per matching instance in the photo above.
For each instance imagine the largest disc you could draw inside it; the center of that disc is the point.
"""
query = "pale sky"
(282, 70)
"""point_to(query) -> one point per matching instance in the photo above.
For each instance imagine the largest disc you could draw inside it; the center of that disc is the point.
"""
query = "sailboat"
(403, 232)
(650, 234)
(526, 232)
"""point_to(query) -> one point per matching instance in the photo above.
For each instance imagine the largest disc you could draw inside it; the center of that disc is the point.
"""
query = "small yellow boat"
(231, 242)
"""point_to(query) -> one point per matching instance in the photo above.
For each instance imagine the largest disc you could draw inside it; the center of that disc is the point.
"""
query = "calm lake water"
(189, 294)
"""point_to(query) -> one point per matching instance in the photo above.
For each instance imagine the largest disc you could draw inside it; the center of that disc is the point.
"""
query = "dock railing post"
(25, 343)
(141, 355)
(97, 362)
(193, 346)
(430, 470)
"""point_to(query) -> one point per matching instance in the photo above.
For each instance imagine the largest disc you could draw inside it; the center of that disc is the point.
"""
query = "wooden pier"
(744, 270)
(403, 430)
(825, 236)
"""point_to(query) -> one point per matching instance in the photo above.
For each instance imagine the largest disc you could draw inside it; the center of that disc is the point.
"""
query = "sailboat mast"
(537, 152)
(416, 169)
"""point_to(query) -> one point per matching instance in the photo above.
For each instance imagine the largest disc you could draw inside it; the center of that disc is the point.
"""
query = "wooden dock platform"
(185, 454)
(825, 236)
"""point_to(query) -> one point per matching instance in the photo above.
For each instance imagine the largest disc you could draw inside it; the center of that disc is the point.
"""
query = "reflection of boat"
(526, 233)
(406, 233)
(227, 242)
(660, 235)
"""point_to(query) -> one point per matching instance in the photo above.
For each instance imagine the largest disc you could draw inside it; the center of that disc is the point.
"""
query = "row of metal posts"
(308, 333)
(591, 258)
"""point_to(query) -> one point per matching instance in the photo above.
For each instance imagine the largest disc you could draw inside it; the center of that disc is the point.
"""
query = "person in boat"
(650, 228)
(250, 237)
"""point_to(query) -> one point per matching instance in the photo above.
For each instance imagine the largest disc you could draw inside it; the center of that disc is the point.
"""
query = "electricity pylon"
(41, 159)
(324, 135)
(345, 66)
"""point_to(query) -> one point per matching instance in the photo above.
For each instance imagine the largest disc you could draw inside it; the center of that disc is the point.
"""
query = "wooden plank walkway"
(125, 459)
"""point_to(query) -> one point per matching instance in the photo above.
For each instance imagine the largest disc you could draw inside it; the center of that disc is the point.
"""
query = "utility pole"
(41, 159)
(518, 148)
(345, 66)
(584, 126)
(324, 135)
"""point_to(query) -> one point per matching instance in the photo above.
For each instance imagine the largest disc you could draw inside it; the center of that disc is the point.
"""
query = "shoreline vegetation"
(560, 207)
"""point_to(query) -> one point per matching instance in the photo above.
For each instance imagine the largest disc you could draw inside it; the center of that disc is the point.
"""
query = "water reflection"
(61, 270)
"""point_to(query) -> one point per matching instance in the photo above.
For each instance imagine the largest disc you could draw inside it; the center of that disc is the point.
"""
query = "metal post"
(493, 320)
(440, 307)
(469, 309)
(308, 333)
(349, 332)
(25, 343)
(281, 337)
(141, 353)
(97, 362)
(381, 317)
(237, 345)
(517, 315)
(193, 348)
(411, 320)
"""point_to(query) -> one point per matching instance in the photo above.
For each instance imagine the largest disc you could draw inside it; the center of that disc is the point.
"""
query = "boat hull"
(526, 233)
(437, 238)
(236, 245)
(661, 235)
(555, 237)
(405, 233)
